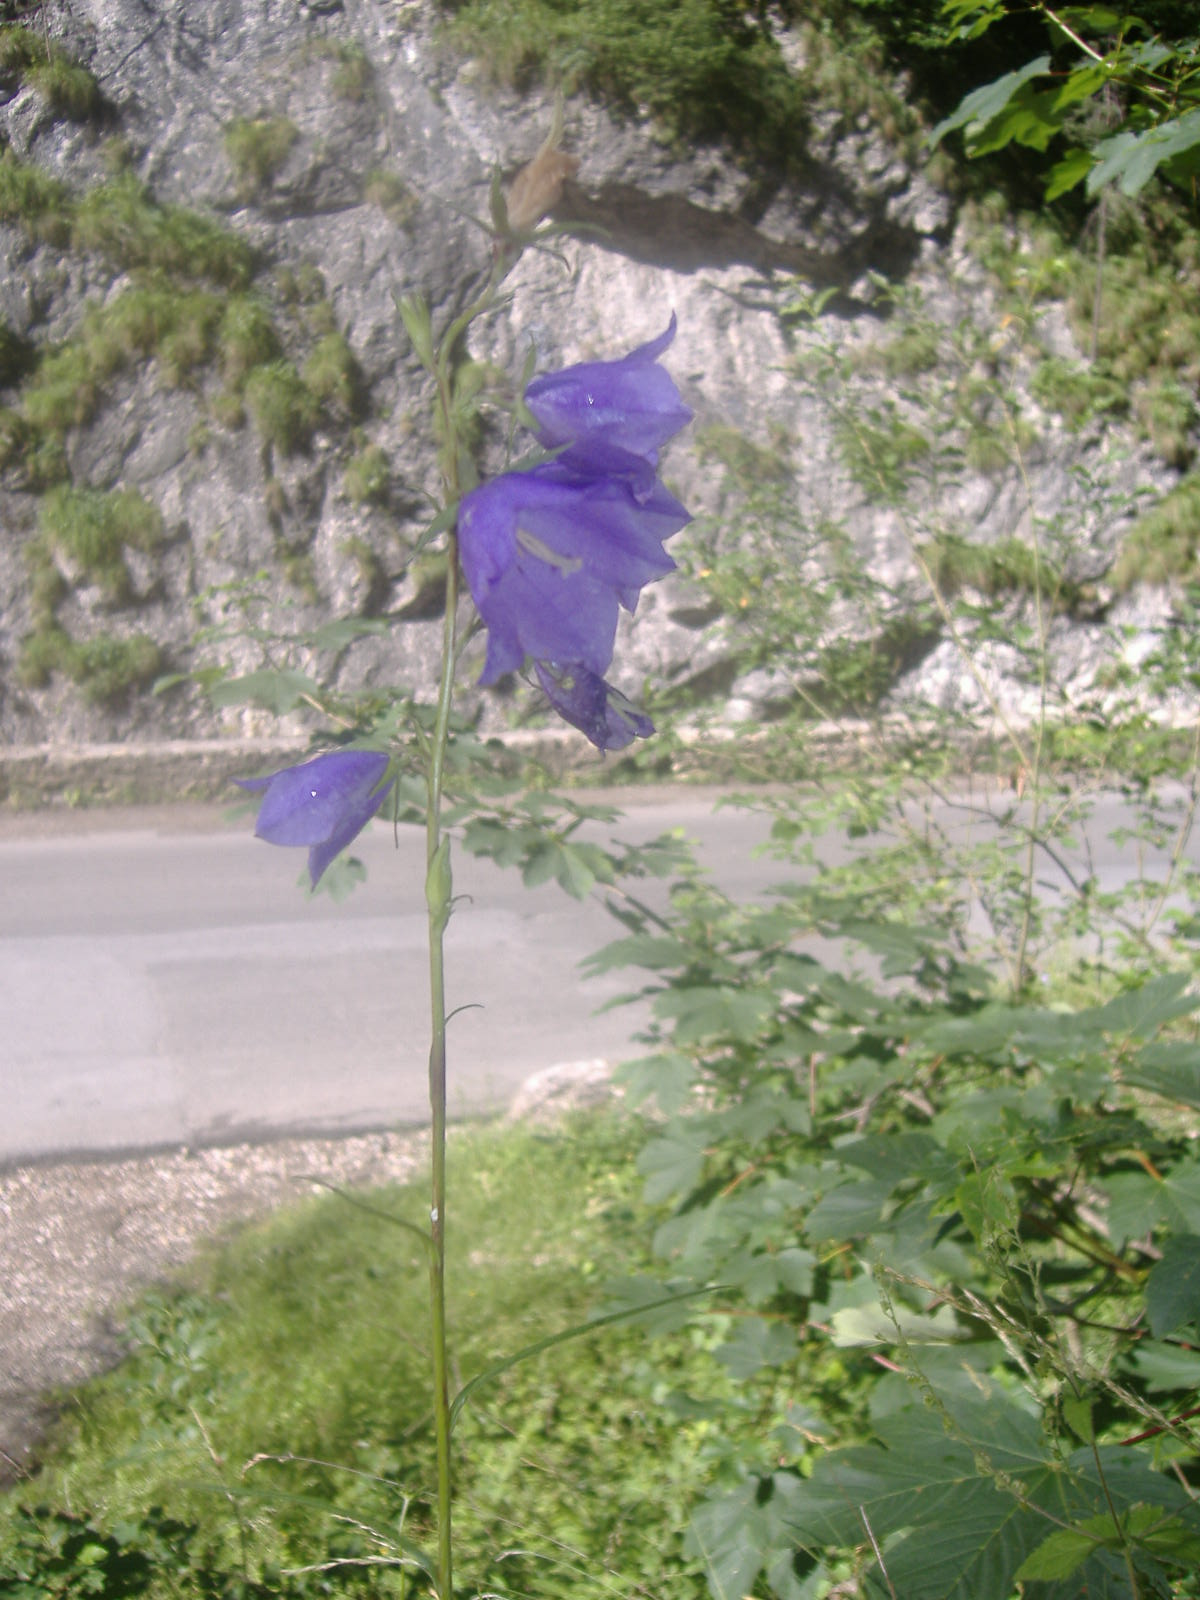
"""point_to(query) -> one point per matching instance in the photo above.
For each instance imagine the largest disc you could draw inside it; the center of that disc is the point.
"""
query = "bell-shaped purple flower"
(323, 803)
(593, 706)
(630, 405)
(551, 553)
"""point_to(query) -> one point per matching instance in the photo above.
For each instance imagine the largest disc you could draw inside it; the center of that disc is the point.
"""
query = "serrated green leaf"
(1131, 159)
(1170, 1068)
(756, 1344)
(278, 690)
(1142, 1012)
(1138, 1202)
(671, 1166)
(712, 1010)
(980, 106)
(729, 1534)
(655, 952)
(1173, 1287)
(1058, 1556)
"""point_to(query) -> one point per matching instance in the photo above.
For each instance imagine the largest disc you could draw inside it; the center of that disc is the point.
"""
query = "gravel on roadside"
(79, 1239)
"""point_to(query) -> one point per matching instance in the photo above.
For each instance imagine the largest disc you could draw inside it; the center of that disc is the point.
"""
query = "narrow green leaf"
(414, 314)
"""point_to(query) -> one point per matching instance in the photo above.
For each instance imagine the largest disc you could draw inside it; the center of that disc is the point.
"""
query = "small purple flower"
(323, 803)
(593, 706)
(631, 404)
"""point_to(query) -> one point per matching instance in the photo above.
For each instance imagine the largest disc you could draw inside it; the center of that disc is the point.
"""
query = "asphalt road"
(164, 982)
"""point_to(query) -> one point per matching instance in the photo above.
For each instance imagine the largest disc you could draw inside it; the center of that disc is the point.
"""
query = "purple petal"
(584, 700)
(549, 554)
(323, 803)
(630, 403)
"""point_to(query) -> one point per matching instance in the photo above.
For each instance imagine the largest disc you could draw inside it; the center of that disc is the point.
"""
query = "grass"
(68, 88)
(306, 1338)
(257, 148)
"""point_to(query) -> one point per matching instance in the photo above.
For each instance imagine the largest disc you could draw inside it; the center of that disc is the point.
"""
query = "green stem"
(437, 894)
(438, 897)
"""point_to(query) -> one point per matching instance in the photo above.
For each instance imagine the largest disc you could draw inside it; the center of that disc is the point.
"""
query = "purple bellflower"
(323, 803)
(552, 553)
(631, 404)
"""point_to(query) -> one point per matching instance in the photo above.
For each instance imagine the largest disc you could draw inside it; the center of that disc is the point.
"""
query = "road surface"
(163, 982)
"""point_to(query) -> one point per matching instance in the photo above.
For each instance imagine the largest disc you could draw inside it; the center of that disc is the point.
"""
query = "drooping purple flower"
(551, 553)
(593, 706)
(323, 803)
(630, 405)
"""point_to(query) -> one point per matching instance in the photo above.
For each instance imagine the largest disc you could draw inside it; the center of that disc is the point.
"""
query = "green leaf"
(703, 1012)
(730, 1533)
(336, 635)
(757, 1344)
(1173, 1287)
(278, 690)
(414, 314)
(671, 1166)
(980, 106)
(1071, 170)
(1170, 1068)
(1142, 1012)
(1131, 159)
(1138, 1202)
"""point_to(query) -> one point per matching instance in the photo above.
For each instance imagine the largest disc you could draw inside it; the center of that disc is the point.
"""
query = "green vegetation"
(333, 375)
(584, 1458)
(1164, 544)
(705, 68)
(284, 409)
(91, 530)
(121, 221)
(106, 668)
(68, 88)
(368, 477)
(392, 195)
(257, 148)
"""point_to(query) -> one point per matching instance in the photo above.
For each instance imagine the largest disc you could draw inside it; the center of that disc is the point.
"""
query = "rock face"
(276, 423)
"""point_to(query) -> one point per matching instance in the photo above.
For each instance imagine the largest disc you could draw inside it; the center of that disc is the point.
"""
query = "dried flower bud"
(537, 188)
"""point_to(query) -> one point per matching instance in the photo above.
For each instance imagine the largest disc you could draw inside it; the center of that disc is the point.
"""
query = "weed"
(284, 409)
(34, 199)
(353, 76)
(120, 221)
(105, 668)
(257, 148)
(333, 375)
(1164, 543)
(69, 89)
(91, 530)
(1007, 566)
(248, 339)
(368, 477)
(392, 195)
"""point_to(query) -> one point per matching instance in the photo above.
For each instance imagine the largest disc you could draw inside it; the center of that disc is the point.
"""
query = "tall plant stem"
(456, 467)
(437, 896)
